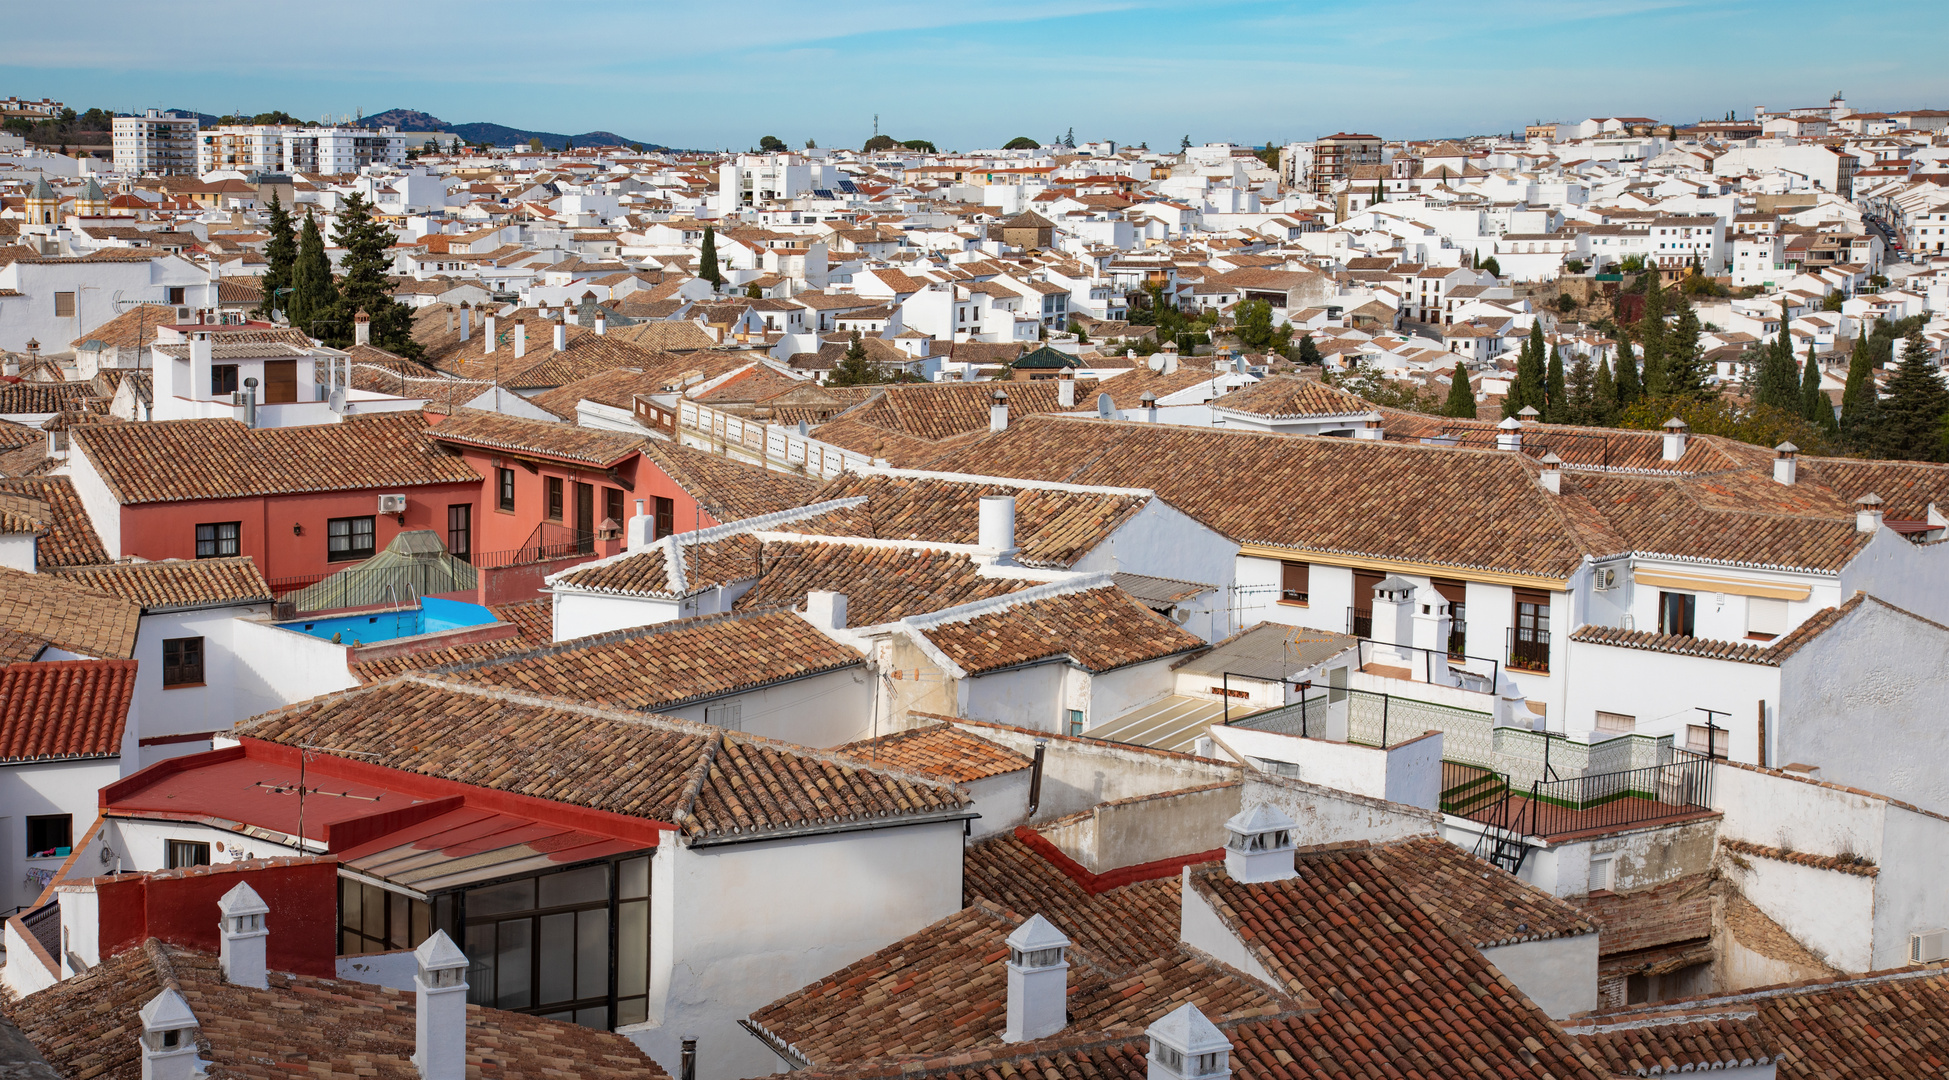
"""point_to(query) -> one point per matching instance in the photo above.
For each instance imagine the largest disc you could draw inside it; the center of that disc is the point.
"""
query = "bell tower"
(43, 205)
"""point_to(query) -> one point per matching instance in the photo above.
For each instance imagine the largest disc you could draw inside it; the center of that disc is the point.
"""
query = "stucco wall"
(1559, 975)
(1163, 541)
(1079, 773)
(579, 614)
(1829, 911)
(1913, 578)
(277, 667)
(1028, 697)
(1910, 892)
(63, 787)
(215, 706)
(1781, 811)
(821, 711)
(1200, 927)
(1148, 828)
(1665, 692)
(1002, 801)
(1324, 816)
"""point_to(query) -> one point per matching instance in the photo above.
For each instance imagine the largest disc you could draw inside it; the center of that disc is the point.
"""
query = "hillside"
(498, 134)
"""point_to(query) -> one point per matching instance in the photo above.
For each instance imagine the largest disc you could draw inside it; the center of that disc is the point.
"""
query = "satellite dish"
(1105, 408)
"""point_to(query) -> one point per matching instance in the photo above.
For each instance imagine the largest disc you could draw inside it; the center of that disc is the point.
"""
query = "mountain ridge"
(412, 121)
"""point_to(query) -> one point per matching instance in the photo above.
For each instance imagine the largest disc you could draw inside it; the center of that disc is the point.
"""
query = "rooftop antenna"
(302, 748)
(876, 124)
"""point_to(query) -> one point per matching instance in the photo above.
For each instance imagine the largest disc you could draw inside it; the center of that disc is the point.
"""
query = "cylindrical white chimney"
(561, 334)
(488, 342)
(466, 320)
(240, 926)
(520, 338)
(1786, 463)
(1038, 982)
(998, 412)
(440, 1009)
(1867, 513)
(997, 525)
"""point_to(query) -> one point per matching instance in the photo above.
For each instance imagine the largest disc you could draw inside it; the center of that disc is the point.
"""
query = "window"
(218, 539)
(1676, 613)
(1530, 637)
(49, 835)
(554, 498)
(181, 853)
(504, 485)
(1765, 619)
(1601, 877)
(175, 293)
(1075, 721)
(612, 505)
(372, 919)
(223, 379)
(545, 946)
(666, 516)
(1696, 735)
(348, 538)
(1456, 593)
(460, 531)
(182, 661)
(1616, 722)
(728, 717)
(1295, 580)
(64, 305)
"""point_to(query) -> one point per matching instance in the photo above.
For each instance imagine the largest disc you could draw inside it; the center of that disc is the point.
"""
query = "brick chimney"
(440, 1009)
(1786, 463)
(1038, 982)
(1259, 845)
(241, 926)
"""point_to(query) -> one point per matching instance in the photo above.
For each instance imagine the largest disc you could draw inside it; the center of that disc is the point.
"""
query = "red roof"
(64, 709)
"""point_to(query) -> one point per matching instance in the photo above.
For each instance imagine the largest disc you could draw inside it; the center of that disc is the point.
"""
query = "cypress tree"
(1684, 357)
(1556, 408)
(707, 261)
(853, 368)
(1859, 399)
(1629, 390)
(1530, 387)
(1461, 399)
(1813, 400)
(1910, 423)
(1603, 394)
(1779, 377)
(1581, 385)
(280, 255)
(1652, 335)
(362, 282)
(1307, 352)
(312, 294)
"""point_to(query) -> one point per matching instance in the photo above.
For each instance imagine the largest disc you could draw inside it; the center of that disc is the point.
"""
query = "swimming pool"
(432, 616)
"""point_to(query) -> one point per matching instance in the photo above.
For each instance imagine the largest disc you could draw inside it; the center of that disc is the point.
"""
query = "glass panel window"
(223, 379)
(1676, 613)
(49, 835)
(1075, 721)
(1530, 638)
(612, 504)
(218, 540)
(1295, 582)
(504, 481)
(460, 531)
(182, 662)
(348, 538)
(180, 853)
(1700, 739)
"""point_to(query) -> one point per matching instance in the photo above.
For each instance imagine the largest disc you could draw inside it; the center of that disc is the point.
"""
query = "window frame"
(172, 848)
(223, 379)
(217, 539)
(1672, 602)
(1775, 607)
(664, 521)
(504, 489)
(182, 672)
(1292, 572)
(64, 305)
(554, 505)
(613, 507)
(351, 553)
(460, 531)
(67, 831)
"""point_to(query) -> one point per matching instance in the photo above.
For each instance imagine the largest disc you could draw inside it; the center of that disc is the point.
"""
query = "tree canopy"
(772, 144)
(280, 255)
(362, 284)
(878, 143)
(1021, 142)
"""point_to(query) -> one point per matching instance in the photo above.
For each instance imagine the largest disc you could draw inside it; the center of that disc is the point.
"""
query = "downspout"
(1035, 776)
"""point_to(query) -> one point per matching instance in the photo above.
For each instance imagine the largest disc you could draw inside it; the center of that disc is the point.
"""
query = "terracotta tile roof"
(564, 442)
(534, 619)
(618, 387)
(176, 583)
(707, 781)
(677, 336)
(1679, 1045)
(1280, 397)
(881, 583)
(23, 514)
(899, 450)
(1053, 528)
(668, 664)
(944, 990)
(1127, 390)
(132, 328)
(940, 750)
(174, 460)
(1479, 902)
(21, 398)
(935, 411)
(1745, 652)
(67, 616)
(1123, 928)
(729, 490)
(707, 564)
(64, 709)
(1099, 630)
(1857, 866)
(88, 1026)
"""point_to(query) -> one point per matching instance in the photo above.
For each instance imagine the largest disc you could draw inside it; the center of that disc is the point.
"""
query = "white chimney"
(1509, 434)
(1370, 430)
(1393, 612)
(1432, 622)
(466, 321)
(1185, 1046)
(361, 328)
(520, 338)
(1170, 355)
(1259, 845)
(1038, 982)
(1675, 430)
(1552, 473)
(1149, 403)
(240, 923)
(639, 529)
(826, 610)
(1786, 463)
(997, 526)
(169, 1038)
(1867, 514)
(602, 323)
(440, 1009)
(998, 412)
(488, 342)
(1066, 389)
(561, 334)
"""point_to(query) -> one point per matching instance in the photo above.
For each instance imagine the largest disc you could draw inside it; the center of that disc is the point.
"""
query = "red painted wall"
(180, 907)
(688, 515)
(496, 529)
(168, 530)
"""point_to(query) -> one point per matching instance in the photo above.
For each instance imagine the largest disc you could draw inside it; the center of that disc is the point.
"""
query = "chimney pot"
(997, 526)
(1786, 463)
(1259, 845)
(1552, 473)
(240, 925)
(1066, 389)
(1867, 514)
(1509, 434)
(1038, 982)
(440, 1009)
(1675, 430)
(520, 338)
(1186, 1046)
(168, 1038)
(998, 413)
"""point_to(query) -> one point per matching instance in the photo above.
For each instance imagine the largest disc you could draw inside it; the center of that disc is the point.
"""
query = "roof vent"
(1675, 430)
(1038, 981)
(1786, 464)
(168, 1039)
(1509, 434)
(1867, 513)
(1185, 1046)
(1259, 845)
(440, 1009)
(996, 527)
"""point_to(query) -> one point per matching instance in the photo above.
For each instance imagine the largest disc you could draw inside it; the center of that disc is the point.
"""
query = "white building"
(156, 143)
(334, 150)
(246, 148)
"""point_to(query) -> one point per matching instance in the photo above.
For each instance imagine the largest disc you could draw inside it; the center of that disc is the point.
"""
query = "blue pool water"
(432, 616)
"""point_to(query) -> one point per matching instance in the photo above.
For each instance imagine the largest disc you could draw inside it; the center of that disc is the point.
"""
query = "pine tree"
(1603, 395)
(853, 368)
(362, 282)
(707, 261)
(1779, 375)
(280, 254)
(313, 296)
(1859, 400)
(1652, 334)
(1909, 426)
(1685, 368)
(1580, 406)
(1556, 408)
(1306, 352)
(1813, 400)
(1461, 399)
(1531, 386)
(1629, 390)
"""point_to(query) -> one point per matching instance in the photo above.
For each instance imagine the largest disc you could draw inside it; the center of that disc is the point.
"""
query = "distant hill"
(499, 134)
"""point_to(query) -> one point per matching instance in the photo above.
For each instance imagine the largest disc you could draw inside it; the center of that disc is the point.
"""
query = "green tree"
(1627, 387)
(534, 145)
(1021, 142)
(1652, 334)
(1461, 399)
(1603, 395)
(280, 254)
(1491, 265)
(1253, 319)
(1565, 303)
(853, 368)
(922, 145)
(362, 284)
(707, 260)
(1685, 367)
(1580, 401)
(1184, 143)
(313, 296)
(753, 292)
(811, 144)
(1082, 335)
(1556, 407)
(1910, 423)
(1859, 399)
(878, 143)
(1814, 404)
(1306, 352)
(1779, 376)
(1531, 386)
(772, 144)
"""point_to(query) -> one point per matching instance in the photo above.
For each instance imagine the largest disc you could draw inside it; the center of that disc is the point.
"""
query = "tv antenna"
(876, 125)
(302, 748)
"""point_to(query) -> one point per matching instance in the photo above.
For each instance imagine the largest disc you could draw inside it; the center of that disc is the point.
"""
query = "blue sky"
(976, 74)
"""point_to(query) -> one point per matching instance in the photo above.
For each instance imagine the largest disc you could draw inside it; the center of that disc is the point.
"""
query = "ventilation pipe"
(250, 402)
(996, 533)
(1786, 463)
(466, 321)
(1035, 775)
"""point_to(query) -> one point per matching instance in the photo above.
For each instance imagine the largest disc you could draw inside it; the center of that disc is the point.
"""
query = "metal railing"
(1432, 660)
(1613, 800)
(1529, 650)
(552, 541)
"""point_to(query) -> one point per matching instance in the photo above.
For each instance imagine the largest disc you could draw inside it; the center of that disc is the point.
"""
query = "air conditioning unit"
(1606, 578)
(1928, 946)
(392, 504)
(182, 314)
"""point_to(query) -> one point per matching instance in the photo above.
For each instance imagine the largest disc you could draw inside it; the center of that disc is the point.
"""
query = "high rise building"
(156, 143)
(1335, 156)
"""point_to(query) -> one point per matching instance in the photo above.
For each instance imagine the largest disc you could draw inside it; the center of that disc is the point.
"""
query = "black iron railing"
(1529, 650)
(1617, 799)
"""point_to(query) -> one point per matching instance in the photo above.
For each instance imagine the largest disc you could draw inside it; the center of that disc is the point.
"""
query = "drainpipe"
(250, 403)
(1035, 776)
(687, 1069)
